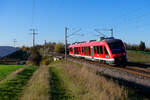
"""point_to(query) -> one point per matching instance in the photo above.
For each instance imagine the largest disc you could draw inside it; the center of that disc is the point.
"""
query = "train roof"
(95, 43)
(112, 40)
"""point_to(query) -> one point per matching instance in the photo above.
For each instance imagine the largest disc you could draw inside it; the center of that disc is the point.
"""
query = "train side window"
(97, 49)
(106, 52)
(70, 49)
(101, 50)
(84, 51)
(74, 51)
(89, 50)
(79, 49)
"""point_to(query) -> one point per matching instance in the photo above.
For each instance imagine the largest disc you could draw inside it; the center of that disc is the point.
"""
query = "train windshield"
(117, 47)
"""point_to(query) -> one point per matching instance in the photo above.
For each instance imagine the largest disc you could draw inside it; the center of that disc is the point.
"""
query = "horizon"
(129, 20)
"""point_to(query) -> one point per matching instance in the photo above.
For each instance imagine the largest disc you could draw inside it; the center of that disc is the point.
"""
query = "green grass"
(11, 89)
(61, 88)
(139, 56)
(7, 69)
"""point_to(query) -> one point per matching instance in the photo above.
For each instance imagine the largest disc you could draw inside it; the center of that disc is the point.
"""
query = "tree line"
(139, 47)
(40, 54)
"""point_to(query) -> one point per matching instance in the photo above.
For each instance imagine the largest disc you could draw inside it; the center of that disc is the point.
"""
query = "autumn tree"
(59, 48)
(35, 57)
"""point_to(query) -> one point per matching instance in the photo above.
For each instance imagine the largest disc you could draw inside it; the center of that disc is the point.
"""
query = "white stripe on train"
(94, 58)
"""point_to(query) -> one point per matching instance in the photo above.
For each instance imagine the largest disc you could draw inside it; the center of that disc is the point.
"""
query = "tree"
(35, 57)
(59, 48)
(142, 46)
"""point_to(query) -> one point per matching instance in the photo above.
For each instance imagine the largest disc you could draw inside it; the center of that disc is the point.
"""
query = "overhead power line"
(99, 31)
(33, 13)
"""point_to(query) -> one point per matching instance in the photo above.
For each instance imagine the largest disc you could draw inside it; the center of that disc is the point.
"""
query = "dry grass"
(38, 87)
(92, 86)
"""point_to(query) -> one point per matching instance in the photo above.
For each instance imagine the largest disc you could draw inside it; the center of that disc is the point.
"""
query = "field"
(7, 69)
(15, 80)
(139, 56)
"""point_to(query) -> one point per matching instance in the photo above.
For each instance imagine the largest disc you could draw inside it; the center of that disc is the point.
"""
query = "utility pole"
(45, 48)
(14, 42)
(66, 39)
(33, 33)
(111, 32)
(66, 31)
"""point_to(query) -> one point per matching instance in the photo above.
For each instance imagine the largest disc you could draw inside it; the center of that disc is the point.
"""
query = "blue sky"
(130, 20)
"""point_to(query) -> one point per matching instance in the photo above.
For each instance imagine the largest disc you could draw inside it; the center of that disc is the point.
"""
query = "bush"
(46, 60)
(35, 57)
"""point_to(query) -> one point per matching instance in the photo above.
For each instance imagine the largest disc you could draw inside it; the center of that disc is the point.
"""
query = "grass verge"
(61, 87)
(38, 87)
(10, 89)
(88, 85)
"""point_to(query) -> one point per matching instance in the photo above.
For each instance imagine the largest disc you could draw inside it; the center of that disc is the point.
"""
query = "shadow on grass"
(136, 64)
(58, 90)
(135, 91)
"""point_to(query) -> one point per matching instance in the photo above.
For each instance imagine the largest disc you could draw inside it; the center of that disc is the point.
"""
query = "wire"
(33, 13)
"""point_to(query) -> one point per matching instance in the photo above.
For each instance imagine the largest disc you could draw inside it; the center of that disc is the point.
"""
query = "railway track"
(137, 71)
(143, 72)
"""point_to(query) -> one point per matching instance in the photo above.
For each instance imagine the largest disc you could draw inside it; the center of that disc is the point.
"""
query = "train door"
(92, 55)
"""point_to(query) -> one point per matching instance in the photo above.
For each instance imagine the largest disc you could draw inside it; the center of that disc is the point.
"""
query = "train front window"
(117, 47)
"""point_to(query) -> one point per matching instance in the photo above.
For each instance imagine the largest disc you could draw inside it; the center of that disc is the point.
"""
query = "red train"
(108, 50)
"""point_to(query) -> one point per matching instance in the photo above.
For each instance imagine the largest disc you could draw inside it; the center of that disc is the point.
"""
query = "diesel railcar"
(108, 50)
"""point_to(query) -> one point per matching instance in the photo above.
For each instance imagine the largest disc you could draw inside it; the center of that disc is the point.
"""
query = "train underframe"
(115, 61)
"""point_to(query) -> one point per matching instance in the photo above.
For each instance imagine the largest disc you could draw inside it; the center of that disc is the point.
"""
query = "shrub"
(46, 60)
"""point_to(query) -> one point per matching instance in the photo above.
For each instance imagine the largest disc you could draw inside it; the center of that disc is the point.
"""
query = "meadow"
(14, 82)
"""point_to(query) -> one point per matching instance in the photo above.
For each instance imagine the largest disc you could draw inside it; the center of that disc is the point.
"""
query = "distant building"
(12, 55)
(7, 50)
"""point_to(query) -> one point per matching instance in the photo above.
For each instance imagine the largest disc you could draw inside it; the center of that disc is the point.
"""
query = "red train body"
(108, 50)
